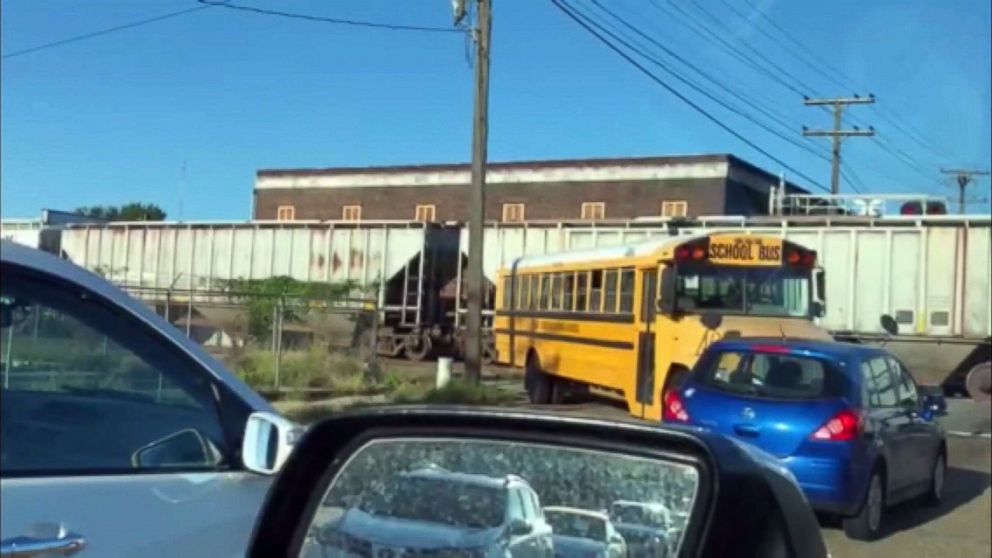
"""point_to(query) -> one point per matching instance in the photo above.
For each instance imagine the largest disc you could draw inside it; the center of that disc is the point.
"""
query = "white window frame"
(351, 213)
(429, 209)
(674, 208)
(589, 210)
(515, 210)
(284, 210)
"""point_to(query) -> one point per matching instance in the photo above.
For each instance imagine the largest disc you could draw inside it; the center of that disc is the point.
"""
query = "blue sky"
(112, 119)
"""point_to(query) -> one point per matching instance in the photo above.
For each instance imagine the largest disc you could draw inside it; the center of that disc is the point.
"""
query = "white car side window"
(86, 389)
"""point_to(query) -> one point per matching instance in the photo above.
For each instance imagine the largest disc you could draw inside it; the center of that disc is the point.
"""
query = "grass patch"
(313, 369)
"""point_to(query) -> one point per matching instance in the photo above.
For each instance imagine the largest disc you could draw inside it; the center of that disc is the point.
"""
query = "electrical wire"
(700, 89)
(845, 81)
(707, 34)
(103, 32)
(334, 20)
(852, 177)
(572, 14)
(896, 152)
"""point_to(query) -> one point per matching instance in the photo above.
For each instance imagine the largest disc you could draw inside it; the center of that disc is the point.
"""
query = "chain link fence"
(275, 342)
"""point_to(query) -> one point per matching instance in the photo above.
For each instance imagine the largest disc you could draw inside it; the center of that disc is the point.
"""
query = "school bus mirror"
(818, 309)
(667, 303)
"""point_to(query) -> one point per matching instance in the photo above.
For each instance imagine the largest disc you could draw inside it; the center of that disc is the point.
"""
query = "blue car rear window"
(775, 375)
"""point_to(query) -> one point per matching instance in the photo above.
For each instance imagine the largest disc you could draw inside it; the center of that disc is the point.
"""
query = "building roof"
(560, 170)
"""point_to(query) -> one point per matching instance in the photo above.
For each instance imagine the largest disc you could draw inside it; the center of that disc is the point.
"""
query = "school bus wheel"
(537, 383)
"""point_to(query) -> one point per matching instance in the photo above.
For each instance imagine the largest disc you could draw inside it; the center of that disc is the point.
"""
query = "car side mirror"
(616, 539)
(728, 501)
(934, 401)
(268, 441)
(183, 449)
(519, 527)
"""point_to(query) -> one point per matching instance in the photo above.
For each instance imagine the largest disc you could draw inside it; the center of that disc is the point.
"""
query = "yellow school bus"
(630, 321)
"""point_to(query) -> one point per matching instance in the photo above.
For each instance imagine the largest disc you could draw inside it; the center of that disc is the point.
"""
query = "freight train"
(930, 273)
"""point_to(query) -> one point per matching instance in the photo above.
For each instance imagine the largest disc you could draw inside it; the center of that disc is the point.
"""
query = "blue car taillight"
(842, 427)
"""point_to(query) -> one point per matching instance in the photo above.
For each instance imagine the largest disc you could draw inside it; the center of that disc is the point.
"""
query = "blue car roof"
(829, 349)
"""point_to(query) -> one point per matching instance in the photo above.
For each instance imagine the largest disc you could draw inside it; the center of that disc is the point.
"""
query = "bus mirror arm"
(666, 303)
(668, 309)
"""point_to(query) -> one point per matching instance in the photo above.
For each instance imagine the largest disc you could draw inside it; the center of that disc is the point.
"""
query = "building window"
(513, 212)
(351, 213)
(674, 209)
(425, 213)
(285, 213)
(593, 210)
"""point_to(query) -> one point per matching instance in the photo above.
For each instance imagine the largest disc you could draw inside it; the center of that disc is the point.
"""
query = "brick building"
(517, 191)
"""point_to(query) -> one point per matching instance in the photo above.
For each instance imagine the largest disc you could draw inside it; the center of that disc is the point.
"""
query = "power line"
(716, 20)
(906, 159)
(708, 34)
(103, 32)
(569, 11)
(896, 152)
(335, 20)
(852, 178)
(694, 85)
(845, 81)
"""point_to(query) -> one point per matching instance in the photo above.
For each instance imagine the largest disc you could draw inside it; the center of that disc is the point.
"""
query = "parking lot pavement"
(967, 417)
(958, 528)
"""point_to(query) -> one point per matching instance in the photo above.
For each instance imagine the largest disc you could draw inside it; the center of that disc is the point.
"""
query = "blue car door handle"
(748, 430)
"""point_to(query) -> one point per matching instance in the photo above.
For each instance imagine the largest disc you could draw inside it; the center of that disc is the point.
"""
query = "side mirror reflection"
(186, 448)
(482, 493)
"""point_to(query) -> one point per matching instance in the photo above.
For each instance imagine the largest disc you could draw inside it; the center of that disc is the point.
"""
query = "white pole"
(443, 372)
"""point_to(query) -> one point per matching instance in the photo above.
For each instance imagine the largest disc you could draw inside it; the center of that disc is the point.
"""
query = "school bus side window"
(569, 279)
(545, 292)
(556, 288)
(506, 293)
(520, 285)
(533, 301)
(581, 291)
(596, 291)
(626, 291)
(610, 298)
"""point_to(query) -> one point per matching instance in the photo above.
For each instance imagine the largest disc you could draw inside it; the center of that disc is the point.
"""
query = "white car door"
(114, 443)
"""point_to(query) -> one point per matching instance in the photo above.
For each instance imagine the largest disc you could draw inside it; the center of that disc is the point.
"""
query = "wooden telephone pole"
(964, 178)
(837, 134)
(477, 201)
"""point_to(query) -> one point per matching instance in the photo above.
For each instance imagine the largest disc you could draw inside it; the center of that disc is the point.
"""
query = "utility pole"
(837, 134)
(964, 178)
(477, 200)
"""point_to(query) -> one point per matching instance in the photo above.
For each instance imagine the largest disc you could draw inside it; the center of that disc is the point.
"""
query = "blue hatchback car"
(848, 420)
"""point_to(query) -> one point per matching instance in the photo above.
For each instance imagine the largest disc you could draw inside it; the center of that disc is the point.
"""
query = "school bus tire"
(537, 382)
